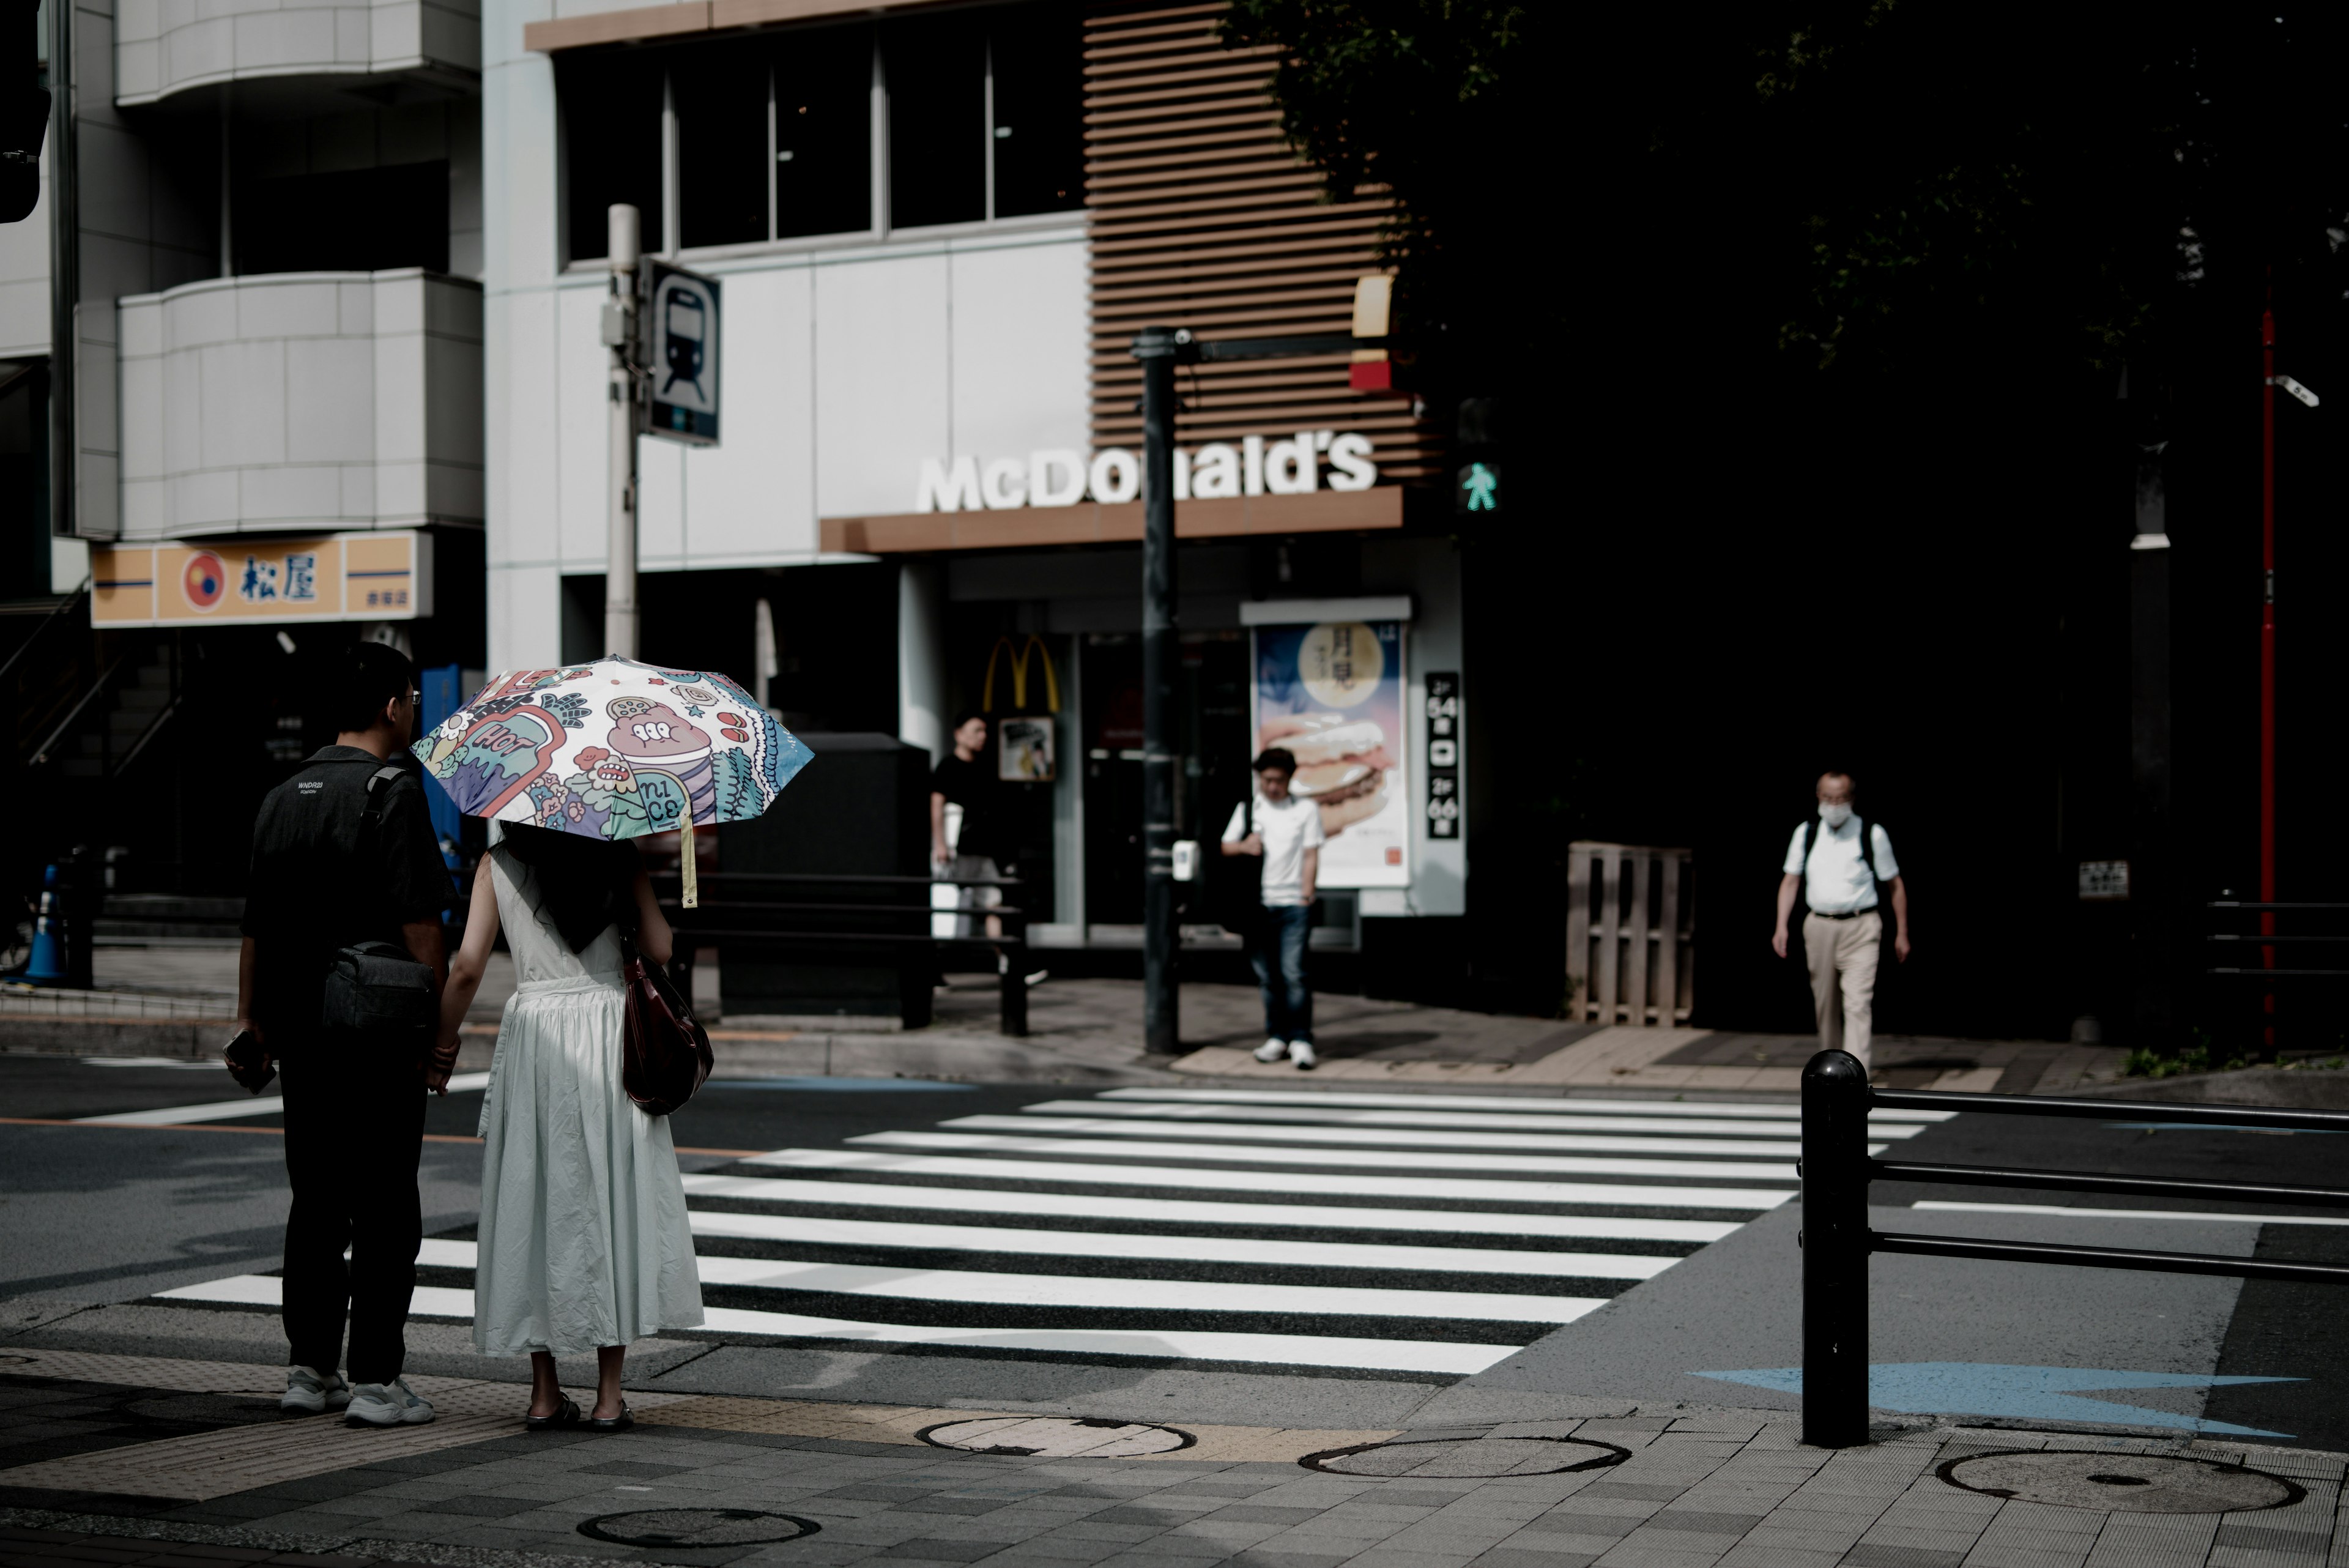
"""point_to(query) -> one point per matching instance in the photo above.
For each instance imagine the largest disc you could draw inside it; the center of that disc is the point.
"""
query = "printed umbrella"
(611, 750)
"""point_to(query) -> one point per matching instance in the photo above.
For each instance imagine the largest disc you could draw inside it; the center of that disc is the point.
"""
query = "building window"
(353, 220)
(769, 135)
(1036, 91)
(935, 70)
(612, 145)
(823, 132)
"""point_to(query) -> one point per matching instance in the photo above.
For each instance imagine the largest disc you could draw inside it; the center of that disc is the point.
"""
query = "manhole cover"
(2121, 1483)
(1467, 1459)
(1056, 1436)
(697, 1527)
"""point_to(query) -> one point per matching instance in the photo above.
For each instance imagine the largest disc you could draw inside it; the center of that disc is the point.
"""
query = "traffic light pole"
(1160, 349)
(620, 335)
(1157, 348)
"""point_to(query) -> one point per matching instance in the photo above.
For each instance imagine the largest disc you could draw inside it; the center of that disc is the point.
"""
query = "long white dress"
(584, 1240)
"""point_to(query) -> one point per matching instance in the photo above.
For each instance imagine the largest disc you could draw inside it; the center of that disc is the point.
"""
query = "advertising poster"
(1332, 694)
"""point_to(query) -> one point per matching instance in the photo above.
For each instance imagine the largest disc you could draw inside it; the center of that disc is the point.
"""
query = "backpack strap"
(1867, 845)
(379, 785)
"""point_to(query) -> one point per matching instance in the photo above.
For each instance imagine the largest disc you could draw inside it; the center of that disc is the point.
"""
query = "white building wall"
(300, 400)
(846, 365)
(164, 47)
(25, 278)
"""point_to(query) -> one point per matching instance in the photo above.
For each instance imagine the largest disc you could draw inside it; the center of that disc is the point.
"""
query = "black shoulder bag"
(377, 989)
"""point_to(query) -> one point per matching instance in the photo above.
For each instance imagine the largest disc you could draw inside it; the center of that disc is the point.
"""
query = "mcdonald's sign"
(1017, 659)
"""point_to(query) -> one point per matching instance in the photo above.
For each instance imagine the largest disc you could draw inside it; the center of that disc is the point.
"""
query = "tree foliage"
(1429, 101)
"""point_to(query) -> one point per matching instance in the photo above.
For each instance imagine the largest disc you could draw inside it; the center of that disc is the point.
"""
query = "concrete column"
(922, 718)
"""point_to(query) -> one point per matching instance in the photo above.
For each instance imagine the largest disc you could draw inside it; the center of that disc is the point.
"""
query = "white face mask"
(1835, 816)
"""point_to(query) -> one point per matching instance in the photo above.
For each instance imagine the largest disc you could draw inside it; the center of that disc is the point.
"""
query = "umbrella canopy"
(611, 750)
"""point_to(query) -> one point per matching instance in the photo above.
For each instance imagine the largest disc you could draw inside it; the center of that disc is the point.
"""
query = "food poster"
(1332, 694)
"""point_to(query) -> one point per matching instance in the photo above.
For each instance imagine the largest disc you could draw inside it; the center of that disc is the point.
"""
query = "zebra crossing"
(1358, 1232)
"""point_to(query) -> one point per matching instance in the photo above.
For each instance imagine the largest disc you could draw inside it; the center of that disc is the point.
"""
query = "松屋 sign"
(385, 576)
(1062, 476)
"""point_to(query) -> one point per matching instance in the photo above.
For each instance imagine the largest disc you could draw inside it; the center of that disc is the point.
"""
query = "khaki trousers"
(1845, 951)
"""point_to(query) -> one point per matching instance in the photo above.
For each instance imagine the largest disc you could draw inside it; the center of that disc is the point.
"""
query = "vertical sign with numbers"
(1442, 717)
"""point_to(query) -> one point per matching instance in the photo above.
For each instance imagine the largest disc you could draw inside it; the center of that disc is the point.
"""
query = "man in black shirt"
(323, 880)
(983, 846)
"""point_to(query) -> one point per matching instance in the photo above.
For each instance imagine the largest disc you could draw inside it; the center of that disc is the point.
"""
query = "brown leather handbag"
(664, 1052)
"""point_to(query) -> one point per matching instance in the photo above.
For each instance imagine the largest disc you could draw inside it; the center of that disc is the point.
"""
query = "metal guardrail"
(1835, 1239)
(727, 919)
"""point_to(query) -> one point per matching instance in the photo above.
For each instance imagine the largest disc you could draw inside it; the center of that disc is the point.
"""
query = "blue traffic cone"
(47, 964)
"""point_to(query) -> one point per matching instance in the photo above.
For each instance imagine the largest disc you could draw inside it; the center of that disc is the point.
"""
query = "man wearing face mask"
(1836, 863)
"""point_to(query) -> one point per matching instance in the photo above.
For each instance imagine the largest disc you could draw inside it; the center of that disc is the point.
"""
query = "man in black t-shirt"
(324, 879)
(983, 846)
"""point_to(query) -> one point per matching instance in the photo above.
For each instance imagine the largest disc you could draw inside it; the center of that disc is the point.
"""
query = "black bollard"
(1834, 1251)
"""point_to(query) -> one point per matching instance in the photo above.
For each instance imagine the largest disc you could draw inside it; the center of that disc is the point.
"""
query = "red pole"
(2267, 652)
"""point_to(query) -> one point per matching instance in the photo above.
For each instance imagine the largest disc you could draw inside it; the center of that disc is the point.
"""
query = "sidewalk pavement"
(714, 1479)
(170, 1000)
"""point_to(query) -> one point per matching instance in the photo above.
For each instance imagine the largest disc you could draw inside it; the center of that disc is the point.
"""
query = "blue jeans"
(1280, 940)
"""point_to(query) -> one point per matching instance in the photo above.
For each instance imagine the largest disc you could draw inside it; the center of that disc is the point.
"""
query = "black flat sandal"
(568, 1416)
(619, 1423)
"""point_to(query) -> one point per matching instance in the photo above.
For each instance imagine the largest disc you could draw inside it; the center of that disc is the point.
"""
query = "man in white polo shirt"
(1287, 834)
(1836, 864)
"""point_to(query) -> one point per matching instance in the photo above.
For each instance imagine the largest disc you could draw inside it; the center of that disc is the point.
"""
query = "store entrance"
(1212, 739)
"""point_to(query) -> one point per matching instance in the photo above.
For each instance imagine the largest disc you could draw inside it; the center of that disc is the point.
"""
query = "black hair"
(585, 884)
(1275, 759)
(359, 681)
(966, 716)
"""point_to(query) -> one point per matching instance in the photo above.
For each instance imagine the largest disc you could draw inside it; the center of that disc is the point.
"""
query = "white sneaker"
(1272, 1051)
(1301, 1053)
(313, 1392)
(392, 1403)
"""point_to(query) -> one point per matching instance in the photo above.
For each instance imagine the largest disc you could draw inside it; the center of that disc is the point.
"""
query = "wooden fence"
(1631, 934)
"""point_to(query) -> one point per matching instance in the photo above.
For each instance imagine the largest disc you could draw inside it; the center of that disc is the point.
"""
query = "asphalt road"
(1346, 1259)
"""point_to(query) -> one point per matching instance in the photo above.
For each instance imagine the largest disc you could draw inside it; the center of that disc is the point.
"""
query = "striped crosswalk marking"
(1485, 1121)
(779, 1189)
(1386, 1137)
(1425, 1235)
(1271, 1154)
(1784, 1111)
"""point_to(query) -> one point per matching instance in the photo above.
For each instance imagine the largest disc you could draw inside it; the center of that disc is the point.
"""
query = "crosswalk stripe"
(229, 1110)
(794, 1228)
(1483, 1121)
(1416, 1137)
(1194, 1211)
(988, 1288)
(1391, 1190)
(2126, 1213)
(1784, 1111)
(1442, 1188)
(1435, 1356)
(1528, 1164)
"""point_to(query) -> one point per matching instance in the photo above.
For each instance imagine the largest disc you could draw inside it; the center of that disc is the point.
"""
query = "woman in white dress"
(585, 1243)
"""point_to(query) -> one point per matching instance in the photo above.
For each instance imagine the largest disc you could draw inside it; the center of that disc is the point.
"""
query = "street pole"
(2152, 898)
(1157, 348)
(2267, 657)
(620, 335)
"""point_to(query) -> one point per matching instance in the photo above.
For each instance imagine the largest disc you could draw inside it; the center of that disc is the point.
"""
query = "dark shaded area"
(1036, 55)
(611, 119)
(354, 219)
(939, 134)
(823, 120)
(2274, 1334)
(1738, 568)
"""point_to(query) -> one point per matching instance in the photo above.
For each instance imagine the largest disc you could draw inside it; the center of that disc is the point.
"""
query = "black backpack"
(376, 989)
(1867, 853)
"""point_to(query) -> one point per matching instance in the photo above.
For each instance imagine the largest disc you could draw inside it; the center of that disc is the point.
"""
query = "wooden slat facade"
(1202, 217)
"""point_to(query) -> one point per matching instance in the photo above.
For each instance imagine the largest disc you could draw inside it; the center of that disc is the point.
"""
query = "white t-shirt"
(1836, 881)
(1289, 829)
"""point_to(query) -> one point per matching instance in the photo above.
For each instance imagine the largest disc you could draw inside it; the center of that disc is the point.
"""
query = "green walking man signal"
(1481, 484)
